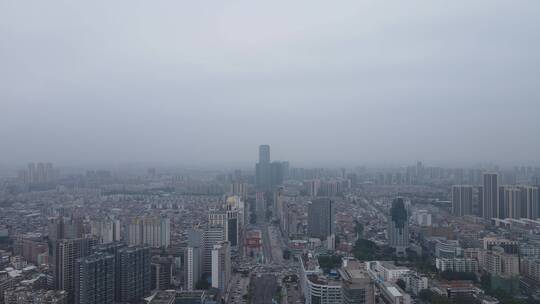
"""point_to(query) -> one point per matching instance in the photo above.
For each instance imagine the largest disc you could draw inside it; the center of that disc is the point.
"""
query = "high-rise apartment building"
(398, 227)
(490, 196)
(106, 230)
(511, 202)
(161, 272)
(239, 189)
(462, 200)
(150, 231)
(531, 201)
(39, 174)
(321, 218)
(94, 279)
(133, 281)
(65, 228)
(65, 254)
(313, 187)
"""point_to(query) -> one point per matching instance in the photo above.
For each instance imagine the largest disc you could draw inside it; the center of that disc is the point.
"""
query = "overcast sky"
(206, 82)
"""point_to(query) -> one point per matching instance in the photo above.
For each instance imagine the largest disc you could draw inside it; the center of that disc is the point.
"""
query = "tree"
(364, 250)
(401, 284)
(328, 262)
(425, 295)
(202, 284)
(453, 276)
(485, 282)
(438, 299)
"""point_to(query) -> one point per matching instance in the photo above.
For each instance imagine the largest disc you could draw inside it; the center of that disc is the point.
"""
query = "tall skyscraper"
(263, 170)
(462, 200)
(65, 254)
(490, 196)
(150, 231)
(229, 220)
(94, 279)
(277, 173)
(321, 218)
(221, 266)
(264, 154)
(232, 228)
(213, 234)
(398, 227)
(133, 266)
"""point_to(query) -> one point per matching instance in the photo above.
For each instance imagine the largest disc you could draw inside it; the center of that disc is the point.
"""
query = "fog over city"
(322, 82)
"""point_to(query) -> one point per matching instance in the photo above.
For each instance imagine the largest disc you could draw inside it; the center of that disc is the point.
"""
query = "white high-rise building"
(193, 267)
(107, 230)
(212, 235)
(221, 266)
(193, 258)
(150, 231)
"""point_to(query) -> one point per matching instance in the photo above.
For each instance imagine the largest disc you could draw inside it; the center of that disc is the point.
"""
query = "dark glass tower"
(321, 218)
(398, 227)
(94, 279)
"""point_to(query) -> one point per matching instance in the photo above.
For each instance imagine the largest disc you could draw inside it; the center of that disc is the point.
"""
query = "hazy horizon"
(200, 84)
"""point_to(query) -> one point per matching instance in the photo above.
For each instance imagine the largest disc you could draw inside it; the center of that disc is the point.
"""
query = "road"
(265, 277)
(263, 289)
(237, 289)
(267, 247)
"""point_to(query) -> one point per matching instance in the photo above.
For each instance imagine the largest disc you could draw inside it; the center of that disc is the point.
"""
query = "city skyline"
(193, 84)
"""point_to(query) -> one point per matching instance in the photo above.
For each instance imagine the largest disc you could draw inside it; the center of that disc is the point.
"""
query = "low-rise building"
(25, 295)
(386, 271)
(454, 289)
(530, 268)
(497, 262)
(416, 282)
(316, 286)
(392, 294)
(457, 265)
(357, 286)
